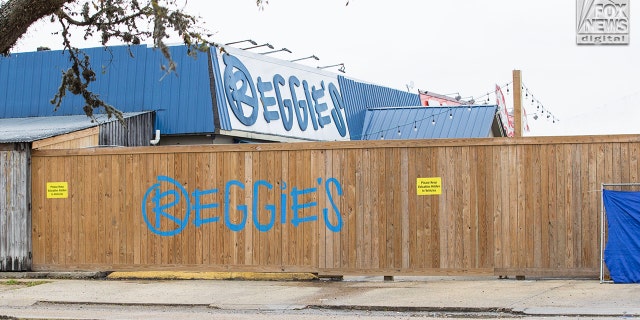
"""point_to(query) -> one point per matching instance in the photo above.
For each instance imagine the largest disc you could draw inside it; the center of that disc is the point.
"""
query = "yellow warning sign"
(429, 186)
(57, 190)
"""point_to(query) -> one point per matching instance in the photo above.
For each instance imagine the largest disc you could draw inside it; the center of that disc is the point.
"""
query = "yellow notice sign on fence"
(429, 186)
(57, 190)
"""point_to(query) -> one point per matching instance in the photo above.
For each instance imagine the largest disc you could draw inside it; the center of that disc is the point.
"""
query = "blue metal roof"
(129, 78)
(359, 96)
(428, 122)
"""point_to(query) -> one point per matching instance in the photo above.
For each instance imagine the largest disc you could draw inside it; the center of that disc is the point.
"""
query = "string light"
(540, 109)
(384, 132)
(489, 94)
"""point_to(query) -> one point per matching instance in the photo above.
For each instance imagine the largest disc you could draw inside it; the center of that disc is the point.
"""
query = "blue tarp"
(622, 253)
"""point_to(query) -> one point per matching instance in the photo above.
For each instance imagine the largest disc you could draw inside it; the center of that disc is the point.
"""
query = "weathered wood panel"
(132, 132)
(15, 216)
(526, 206)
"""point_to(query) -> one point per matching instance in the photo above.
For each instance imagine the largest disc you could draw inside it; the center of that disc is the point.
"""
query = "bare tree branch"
(118, 19)
(17, 15)
(94, 19)
(121, 20)
(77, 79)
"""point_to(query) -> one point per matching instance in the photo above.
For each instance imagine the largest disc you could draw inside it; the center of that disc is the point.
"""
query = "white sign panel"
(276, 97)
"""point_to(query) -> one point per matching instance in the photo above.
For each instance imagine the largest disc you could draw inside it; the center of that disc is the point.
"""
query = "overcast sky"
(465, 46)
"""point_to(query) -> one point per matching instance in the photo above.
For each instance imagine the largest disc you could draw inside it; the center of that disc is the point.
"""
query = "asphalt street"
(131, 297)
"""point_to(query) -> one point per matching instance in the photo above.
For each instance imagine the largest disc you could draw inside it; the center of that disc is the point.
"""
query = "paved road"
(361, 297)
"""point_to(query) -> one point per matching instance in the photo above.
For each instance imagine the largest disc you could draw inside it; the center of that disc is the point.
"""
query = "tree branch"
(93, 20)
(109, 19)
(17, 15)
(77, 80)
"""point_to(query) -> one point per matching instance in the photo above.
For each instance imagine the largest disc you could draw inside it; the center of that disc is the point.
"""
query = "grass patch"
(13, 282)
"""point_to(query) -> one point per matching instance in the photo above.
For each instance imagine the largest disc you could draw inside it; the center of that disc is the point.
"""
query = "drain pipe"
(156, 140)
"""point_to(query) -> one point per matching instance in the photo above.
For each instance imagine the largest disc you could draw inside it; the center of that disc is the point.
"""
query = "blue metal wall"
(182, 100)
(359, 96)
(130, 79)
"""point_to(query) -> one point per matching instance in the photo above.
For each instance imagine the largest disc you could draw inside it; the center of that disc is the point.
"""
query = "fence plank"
(381, 221)
(15, 218)
(367, 199)
(484, 209)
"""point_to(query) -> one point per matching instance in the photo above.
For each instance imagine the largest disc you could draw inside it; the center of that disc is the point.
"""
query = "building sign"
(507, 119)
(429, 186)
(57, 190)
(168, 208)
(602, 21)
(259, 94)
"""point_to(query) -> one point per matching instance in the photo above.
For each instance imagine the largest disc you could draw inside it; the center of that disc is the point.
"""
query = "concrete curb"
(84, 275)
(162, 275)
(172, 275)
(452, 310)
(514, 312)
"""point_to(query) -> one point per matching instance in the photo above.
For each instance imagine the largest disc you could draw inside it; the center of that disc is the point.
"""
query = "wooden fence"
(15, 222)
(525, 206)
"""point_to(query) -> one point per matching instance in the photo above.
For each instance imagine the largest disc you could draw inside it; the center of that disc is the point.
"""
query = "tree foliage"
(124, 21)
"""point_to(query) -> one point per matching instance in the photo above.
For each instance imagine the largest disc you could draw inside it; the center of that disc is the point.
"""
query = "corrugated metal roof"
(428, 122)
(36, 128)
(359, 96)
(130, 79)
